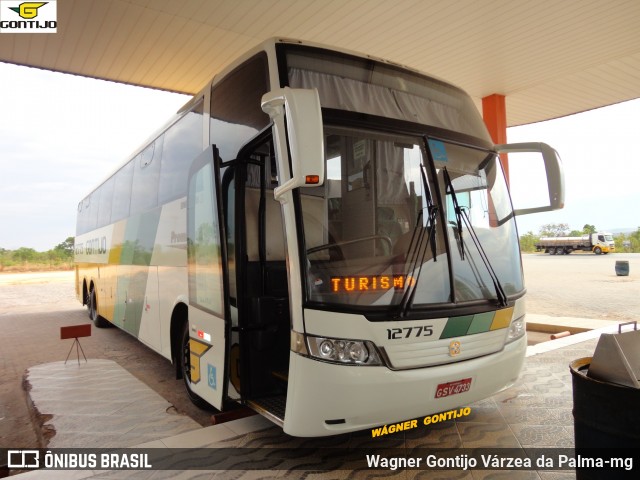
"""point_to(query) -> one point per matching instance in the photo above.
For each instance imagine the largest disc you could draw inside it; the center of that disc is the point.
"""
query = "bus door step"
(271, 407)
(230, 415)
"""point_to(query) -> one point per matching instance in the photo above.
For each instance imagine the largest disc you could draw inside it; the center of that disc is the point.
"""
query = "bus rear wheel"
(185, 369)
(95, 317)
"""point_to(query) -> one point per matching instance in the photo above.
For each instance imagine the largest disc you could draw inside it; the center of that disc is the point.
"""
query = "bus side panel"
(170, 249)
(92, 253)
(172, 289)
(207, 344)
(149, 328)
(107, 291)
(170, 257)
(134, 272)
(138, 267)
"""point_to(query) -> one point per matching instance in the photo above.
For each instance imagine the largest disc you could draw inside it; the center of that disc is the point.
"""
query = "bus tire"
(184, 357)
(87, 301)
(597, 250)
(95, 317)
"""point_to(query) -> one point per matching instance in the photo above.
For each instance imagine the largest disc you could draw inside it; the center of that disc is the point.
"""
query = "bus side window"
(182, 144)
(106, 197)
(236, 116)
(146, 171)
(85, 218)
(122, 192)
(205, 255)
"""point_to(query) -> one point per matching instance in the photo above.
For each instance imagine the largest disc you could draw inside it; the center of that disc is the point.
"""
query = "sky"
(61, 135)
(601, 161)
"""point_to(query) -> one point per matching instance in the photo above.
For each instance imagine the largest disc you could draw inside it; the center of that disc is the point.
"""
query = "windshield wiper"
(419, 251)
(463, 217)
(449, 190)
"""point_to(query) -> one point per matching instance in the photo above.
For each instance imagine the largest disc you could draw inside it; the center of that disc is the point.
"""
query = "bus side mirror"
(552, 169)
(297, 118)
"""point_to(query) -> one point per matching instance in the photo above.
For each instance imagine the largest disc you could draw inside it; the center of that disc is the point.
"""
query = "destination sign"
(370, 283)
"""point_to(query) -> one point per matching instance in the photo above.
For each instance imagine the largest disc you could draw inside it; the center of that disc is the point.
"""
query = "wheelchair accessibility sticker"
(211, 376)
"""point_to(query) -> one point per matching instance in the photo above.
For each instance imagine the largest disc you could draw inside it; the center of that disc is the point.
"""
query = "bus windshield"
(384, 229)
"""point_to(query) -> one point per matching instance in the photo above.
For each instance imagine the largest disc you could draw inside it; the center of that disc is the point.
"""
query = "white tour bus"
(325, 237)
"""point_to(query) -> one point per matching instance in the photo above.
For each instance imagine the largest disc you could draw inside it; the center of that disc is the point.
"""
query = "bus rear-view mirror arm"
(554, 172)
(297, 119)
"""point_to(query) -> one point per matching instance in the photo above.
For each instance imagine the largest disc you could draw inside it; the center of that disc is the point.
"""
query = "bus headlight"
(348, 352)
(517, 329)
(327, 350)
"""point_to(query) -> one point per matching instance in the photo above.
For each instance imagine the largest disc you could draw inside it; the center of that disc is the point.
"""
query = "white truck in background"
(595, 242)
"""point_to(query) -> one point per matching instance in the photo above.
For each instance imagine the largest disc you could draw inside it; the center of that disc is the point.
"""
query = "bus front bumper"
(328, 399)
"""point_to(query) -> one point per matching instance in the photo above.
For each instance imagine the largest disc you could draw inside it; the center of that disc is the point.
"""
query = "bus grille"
(425, 354)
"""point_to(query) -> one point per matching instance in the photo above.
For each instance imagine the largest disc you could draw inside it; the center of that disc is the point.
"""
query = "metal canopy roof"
(549, 58)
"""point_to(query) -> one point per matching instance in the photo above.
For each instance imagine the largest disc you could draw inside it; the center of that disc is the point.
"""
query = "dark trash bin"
(622, 268)
(606, 397)
(605, 415)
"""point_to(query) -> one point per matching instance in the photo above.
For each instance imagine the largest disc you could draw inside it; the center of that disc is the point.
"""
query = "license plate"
(453, 388)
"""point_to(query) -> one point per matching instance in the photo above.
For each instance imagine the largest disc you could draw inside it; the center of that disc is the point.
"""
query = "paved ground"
(582, 285)
(517, 418)
(34, 306)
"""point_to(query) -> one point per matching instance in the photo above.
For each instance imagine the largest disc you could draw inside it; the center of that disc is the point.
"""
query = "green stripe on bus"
(480, 323)
(457, 326)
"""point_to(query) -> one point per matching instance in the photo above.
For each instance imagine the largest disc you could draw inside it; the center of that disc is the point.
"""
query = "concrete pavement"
(99, 404)
(573, 325)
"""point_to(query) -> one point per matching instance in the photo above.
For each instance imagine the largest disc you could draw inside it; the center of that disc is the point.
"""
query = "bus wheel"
(597, 250)
(97, 320)
(87, 302)
(185, 369)
(552, 251)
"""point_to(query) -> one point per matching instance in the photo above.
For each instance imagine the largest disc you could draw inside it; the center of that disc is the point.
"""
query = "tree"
(65, 249)
(59, 256)
(628, 242)
(589, 229)
(528, 242)
(24, 254)
(635, 240)
(554, 230)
